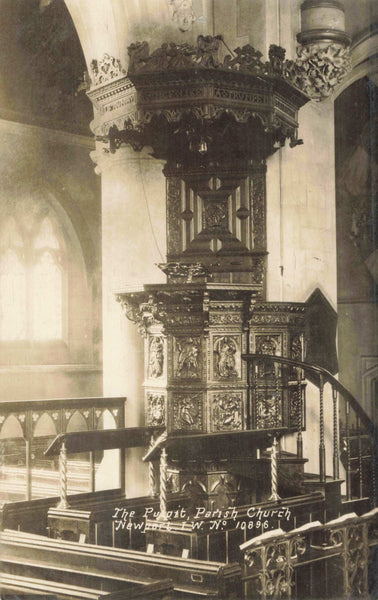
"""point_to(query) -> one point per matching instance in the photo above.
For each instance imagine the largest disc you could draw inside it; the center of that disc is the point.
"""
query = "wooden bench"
(18, 583)
(70, 562)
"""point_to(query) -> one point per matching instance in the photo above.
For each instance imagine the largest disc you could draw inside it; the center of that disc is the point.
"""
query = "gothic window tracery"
(32, 274)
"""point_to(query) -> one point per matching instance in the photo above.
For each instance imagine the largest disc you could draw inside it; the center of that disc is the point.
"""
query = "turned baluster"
(151, 474)
(63, 477)
(322, 455)
(336, 472)
(274, 471)
(347, 443)
(163, 484)
(299, 414)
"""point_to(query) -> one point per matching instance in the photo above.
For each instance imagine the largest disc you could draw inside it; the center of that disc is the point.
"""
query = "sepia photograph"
(188, 299)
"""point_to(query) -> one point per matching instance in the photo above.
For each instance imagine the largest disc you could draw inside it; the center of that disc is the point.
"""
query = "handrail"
(328, 377)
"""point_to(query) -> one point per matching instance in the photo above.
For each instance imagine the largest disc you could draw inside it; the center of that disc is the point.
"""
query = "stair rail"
(351, 426)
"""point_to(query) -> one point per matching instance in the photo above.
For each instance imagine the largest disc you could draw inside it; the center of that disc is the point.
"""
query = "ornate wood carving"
(187, 412)
(227, 411)
(155, 409)
(155, 357)
(188, 353)
(226, 357)
(268, 410)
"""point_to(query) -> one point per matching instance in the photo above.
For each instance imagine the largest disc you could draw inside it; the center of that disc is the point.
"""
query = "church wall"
(44, 164)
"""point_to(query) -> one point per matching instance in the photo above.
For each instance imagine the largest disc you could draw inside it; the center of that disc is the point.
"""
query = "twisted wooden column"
(274, 471)
(63, 477)
(163, 485)
(322, 457)
(151, 474)
(2, 456)
(347, 442)
(299, 415)
(336, 471)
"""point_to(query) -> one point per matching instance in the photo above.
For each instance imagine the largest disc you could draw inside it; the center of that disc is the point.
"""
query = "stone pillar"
(133, 241)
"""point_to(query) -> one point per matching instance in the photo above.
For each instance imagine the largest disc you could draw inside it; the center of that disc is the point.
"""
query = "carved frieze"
(188, 358)
(226, 357)
(284, 313)
(155, 357)
(187, 412)
(155, 409)
(227, 411)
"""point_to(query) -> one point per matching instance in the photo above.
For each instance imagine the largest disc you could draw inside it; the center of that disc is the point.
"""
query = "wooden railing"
(22, 462)
(353, 432)
(313, 561)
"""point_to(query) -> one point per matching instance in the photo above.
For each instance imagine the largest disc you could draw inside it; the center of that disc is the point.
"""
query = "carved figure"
(225, 361)
(138, 55)
(156, 357)
(187, 412)
(207, 50)
(183, 14)
(180, 56)
(227, 408)
(158, 60)
(187, 363)
(247, 58)
(276, 58)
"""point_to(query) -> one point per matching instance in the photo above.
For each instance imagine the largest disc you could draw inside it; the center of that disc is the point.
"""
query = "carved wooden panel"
(227, 411)
(226, 357)
(155, 357)
(187, 358)
(268, 409)
(155, 408)
(187, 411)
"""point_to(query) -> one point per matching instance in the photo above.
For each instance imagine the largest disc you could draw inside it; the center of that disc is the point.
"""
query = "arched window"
(32, 274)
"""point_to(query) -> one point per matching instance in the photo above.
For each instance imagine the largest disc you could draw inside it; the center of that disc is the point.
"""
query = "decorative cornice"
(177, 80)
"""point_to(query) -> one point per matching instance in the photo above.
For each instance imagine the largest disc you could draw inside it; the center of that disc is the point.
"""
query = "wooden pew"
(17, 583)
(31, 555)
(93, 520)
(31, 515)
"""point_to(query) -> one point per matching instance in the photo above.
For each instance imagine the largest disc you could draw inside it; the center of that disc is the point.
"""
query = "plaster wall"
(55, 166)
